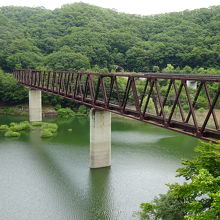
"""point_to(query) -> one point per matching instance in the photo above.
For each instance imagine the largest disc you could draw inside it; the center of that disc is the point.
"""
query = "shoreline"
(49, 111)
(23, 110)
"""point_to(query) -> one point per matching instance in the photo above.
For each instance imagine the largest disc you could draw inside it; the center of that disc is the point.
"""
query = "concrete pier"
(35, 105)
(100, 138)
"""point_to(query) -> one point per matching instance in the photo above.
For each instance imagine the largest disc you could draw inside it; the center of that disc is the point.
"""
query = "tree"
(156, 69)
(65, 59)
(26, 60)
(136, 59)
(11, 92)
(169, 69)
(107, 38)
(22, 53)
(198, 198)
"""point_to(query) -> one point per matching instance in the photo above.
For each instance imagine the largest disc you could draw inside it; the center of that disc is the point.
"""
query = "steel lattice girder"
(142, 98)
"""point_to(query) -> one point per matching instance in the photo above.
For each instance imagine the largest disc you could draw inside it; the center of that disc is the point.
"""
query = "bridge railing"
(185, 103)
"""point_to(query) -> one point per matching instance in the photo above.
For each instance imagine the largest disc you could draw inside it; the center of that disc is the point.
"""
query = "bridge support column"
(100, 138)
(35, 105)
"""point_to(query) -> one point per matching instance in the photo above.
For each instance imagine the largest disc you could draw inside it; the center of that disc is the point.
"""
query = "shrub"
(52, 127)
(202, 102)
(3, 127)
(169, 69)
(150, 105)
(187, 69)
(57, 107)
(66, 113)
(167, 109)
(46, 133)
(156, 69)
(11, 133)
(201, 110)
(83, 109)
(186, 107)
(48, 130)
(21, 126)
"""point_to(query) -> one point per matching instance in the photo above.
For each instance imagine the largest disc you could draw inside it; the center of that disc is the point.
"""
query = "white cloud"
(144, 7)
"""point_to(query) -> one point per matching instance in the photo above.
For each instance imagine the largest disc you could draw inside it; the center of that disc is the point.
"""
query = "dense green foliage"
(46, 133)
(65, 113)
(48, 130)
(196, 199)
(4, 127)
(84, 37)
(23, 126)
(10, 133)
(15, 129)
(11, 93)
(50, 126)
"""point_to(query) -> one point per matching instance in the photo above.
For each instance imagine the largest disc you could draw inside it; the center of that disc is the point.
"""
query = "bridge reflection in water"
(170, 101)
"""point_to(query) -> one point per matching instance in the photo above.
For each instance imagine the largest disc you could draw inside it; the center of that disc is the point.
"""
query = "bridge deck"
(164, 100)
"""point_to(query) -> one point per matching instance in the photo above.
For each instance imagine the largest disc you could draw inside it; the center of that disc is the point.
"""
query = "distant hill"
(83, 37)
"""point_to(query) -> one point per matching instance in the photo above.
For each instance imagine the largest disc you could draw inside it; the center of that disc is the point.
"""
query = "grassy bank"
(47, 111)
(23, 110)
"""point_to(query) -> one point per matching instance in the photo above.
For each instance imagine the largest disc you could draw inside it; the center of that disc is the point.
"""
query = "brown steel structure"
(164, 100)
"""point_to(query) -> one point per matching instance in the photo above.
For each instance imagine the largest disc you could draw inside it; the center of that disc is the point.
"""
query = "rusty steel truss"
(165, 100)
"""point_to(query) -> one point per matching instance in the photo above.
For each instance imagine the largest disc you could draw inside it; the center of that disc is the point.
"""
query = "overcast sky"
(143, 7)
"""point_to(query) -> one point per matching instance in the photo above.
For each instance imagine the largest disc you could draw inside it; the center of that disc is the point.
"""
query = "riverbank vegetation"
(66, 113)
(48, 130)
(14, 100)
(198, 198)
(16, 129)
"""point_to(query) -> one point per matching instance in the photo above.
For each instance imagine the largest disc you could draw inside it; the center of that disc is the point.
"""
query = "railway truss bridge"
(184, 103)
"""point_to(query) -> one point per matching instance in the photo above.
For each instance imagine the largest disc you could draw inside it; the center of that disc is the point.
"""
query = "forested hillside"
(84, 37)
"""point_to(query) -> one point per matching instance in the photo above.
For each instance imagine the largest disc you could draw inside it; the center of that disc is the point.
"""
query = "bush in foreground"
(196, 199)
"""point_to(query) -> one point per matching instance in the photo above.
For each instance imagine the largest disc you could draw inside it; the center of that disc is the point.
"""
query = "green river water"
(50, 180)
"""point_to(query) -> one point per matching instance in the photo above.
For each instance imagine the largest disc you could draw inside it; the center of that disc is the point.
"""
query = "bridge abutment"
(100, 138)
(35, 105)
